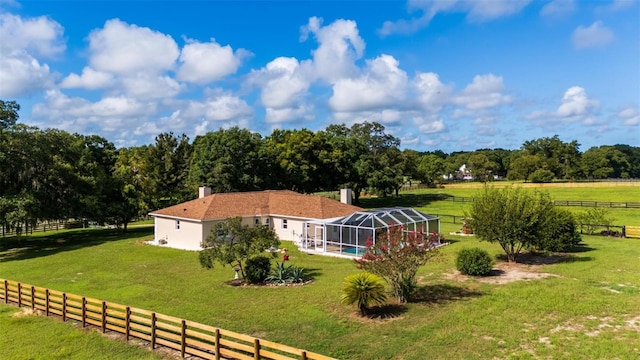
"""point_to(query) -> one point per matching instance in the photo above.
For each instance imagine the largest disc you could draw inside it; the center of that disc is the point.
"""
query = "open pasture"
(583, 304)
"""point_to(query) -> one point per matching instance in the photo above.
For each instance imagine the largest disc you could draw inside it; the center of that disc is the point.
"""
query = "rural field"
(583, 304)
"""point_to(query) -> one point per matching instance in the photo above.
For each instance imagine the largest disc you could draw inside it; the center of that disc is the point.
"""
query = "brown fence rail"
(187, 337)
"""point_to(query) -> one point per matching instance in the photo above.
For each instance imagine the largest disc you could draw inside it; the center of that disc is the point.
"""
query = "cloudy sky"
(450, 75)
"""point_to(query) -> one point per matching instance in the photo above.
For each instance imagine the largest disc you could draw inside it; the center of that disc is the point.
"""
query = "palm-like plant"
(363, 289)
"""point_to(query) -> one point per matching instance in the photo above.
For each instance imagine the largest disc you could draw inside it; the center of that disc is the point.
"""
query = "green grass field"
(588, 308)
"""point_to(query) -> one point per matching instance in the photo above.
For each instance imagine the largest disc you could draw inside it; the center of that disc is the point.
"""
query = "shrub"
(363, 289)
(257, 269)
(396, 256)
(541, 176)
(474, 261)
(560, 232)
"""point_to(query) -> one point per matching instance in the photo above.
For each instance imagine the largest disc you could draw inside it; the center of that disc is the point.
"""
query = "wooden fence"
(186, 337)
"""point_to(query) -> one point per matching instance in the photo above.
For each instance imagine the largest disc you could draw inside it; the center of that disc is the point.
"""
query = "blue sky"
(451, 75)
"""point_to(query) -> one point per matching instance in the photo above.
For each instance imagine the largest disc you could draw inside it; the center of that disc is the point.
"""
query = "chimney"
(345, 196)
(204, 191)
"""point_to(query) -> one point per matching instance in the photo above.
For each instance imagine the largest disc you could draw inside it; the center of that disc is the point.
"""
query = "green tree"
(523, 166)
(396, 256)
(431, 169)
(512, 217)
(563, 159)
(481, 167)
(229, 160)
(168, 166)
(604, 162)
(232, 243)
(8, 114)
(559, 232)
(363, 289)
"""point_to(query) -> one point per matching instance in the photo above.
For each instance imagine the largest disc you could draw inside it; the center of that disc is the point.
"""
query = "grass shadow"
(441, 293)
(581, 248)
(387, 311)
(534, 258)
(312, 273)
(29, 247)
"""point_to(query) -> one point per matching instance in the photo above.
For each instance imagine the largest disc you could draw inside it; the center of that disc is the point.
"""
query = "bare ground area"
(529, 268)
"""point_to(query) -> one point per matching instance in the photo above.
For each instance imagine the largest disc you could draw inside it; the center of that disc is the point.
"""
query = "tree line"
(53, 174)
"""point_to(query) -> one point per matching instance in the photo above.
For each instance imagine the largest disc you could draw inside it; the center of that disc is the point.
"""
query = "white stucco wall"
(191, 233)
(293, 230)
(188, 237)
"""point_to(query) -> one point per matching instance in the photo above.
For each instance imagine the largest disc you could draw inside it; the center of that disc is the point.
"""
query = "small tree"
(396, 256)
(594, 218)
(232, 243)
(363, 289)
(511, 217)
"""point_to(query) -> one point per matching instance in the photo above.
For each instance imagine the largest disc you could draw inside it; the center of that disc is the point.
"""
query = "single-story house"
(186, 225)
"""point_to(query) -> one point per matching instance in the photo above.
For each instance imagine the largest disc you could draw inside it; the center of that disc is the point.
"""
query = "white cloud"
(618, 5)
(339, 46)
(557, 8)
(110, 114)
(593, 36)
(121, 48)
(39, 36)
(477, 11)
(89, 79)
(381, 85)
(630, 116)
(576, 105)
(22, 41)
(429, 125)
(301, 113)
(203, 63)
(218, 106)
(150, 86)
(21, 74)
(484, 92)
(432, 94)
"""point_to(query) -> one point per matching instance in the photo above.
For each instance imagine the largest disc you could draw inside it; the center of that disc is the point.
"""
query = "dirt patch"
(504, 273)
(26, 312)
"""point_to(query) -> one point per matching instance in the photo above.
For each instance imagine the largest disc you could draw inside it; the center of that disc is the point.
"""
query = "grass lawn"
(588, 307)
(27, 336)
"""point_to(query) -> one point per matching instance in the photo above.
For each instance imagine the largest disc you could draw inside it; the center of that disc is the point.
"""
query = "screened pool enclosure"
(347, 236)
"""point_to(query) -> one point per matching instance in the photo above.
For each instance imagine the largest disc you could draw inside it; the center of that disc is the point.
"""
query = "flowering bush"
(396, 256)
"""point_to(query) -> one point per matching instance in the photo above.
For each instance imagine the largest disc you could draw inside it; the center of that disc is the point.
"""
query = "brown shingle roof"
(269, 202)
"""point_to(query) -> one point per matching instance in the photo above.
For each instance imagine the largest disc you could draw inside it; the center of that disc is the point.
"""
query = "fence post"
(19, 294)
(127, 320)
(256, 349)
(104, 317)
(46, 301)
(153, 331)
(183, 338)
(217, 346)
(303, 355)
(84, 311)
(64, 306)
(33, 297)
(6, 291)
(624, 233)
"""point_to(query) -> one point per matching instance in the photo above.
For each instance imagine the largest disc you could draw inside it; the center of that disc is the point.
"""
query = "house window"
(266, 221)
(177, 224)
(257, 221)
(284, 223)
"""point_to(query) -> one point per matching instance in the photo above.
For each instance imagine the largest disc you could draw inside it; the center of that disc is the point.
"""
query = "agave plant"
(363, 289)
(279, 274)
(297, 274)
